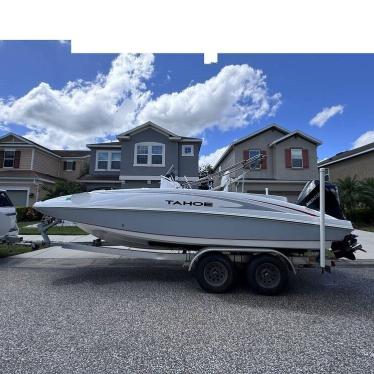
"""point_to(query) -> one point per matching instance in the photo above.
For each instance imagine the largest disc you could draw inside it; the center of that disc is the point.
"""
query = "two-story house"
(355, 163)
(290, 160)
(140, 156)
(27, 169)
(137, 159)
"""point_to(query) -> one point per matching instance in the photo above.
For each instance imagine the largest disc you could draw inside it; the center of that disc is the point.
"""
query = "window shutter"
(65, 165)
(288, 157)
(305, 159)
(246, 157)
(17, 159)
(73, 166)
(263, 160)
(1, 159)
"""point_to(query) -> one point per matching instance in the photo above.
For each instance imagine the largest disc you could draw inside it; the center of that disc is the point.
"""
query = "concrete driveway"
(65, 311)
(142, 319)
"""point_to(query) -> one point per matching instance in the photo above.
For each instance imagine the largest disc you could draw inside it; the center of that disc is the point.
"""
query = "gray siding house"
(140, 156)
(290, 161)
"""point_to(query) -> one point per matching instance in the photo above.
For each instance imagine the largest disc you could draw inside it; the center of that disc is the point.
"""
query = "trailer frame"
(191, 259)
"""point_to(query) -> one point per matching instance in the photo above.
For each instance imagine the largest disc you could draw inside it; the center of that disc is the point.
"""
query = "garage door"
(18, 197)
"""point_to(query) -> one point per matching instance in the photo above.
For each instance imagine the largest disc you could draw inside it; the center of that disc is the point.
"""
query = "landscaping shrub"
(28, 214)
(361, 216)
(62, 188)
(357, 198)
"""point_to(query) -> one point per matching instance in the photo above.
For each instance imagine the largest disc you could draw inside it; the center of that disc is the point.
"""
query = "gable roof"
(13, 136)
(347, 154)
(296, 133)
(144, 126)
(71, 153)
(247, 137)
(149, 124)
(27, 142)
(105, 145)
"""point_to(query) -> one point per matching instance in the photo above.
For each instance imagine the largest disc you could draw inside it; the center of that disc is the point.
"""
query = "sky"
(63, 100)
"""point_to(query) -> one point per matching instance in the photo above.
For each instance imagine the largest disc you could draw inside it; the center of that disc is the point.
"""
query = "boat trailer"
(217, 268)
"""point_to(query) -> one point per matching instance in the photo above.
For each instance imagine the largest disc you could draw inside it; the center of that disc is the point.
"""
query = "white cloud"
(325, 114)
(236, 96)
(213, 157)
(64, 41)
(365, 138)
(82, 112)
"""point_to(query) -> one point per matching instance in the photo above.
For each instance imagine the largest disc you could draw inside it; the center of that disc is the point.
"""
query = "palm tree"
(350, 193)
(367, 192)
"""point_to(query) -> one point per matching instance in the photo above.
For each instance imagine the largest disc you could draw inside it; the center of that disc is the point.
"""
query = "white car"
(8, 219)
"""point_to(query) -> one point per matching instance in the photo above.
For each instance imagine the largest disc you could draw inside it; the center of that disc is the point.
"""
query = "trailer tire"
(267, 274)
(215, 273)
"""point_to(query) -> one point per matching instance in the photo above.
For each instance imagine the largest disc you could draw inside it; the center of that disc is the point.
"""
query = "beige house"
(27, 168)
(358, 162)
(290, 161)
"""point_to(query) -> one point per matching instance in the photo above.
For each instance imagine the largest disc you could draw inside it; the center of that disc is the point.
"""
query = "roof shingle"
(350, 153)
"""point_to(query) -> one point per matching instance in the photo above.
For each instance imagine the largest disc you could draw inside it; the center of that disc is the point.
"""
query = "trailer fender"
(254, 251)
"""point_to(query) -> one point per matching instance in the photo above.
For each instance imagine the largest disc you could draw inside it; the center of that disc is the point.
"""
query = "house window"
(115, 161)
(107, 160)
(296, 158)
(69, 165)
(256, 163)
(141, 154)
(187, 150)
(9, 159)
(149, 154)
(157, 154)
(102, 160)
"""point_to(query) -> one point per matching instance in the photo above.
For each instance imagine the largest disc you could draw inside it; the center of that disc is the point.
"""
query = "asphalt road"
(157, 320)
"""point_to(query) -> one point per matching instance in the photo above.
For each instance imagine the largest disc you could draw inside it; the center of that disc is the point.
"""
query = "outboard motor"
(309, 197)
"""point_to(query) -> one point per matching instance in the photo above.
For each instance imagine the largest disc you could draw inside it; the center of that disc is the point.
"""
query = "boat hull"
(166, 228)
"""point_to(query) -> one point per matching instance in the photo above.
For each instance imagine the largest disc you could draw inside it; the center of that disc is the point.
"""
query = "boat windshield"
(169, 183)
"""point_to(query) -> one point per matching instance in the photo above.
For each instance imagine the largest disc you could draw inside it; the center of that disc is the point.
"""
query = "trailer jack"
(46, 223)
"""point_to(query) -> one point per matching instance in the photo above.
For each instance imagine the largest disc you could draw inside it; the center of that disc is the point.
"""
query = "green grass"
(13, 249)
(64, 230)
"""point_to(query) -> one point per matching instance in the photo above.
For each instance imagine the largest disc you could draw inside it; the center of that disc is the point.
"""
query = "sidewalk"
(60, 238)
(58, 256)
(57, 252)
(366, 239)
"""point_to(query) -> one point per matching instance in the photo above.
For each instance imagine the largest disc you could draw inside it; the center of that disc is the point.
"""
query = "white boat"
(191, 218)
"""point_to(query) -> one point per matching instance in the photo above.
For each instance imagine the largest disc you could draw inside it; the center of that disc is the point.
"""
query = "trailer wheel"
(215, 273)
(267, 274)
